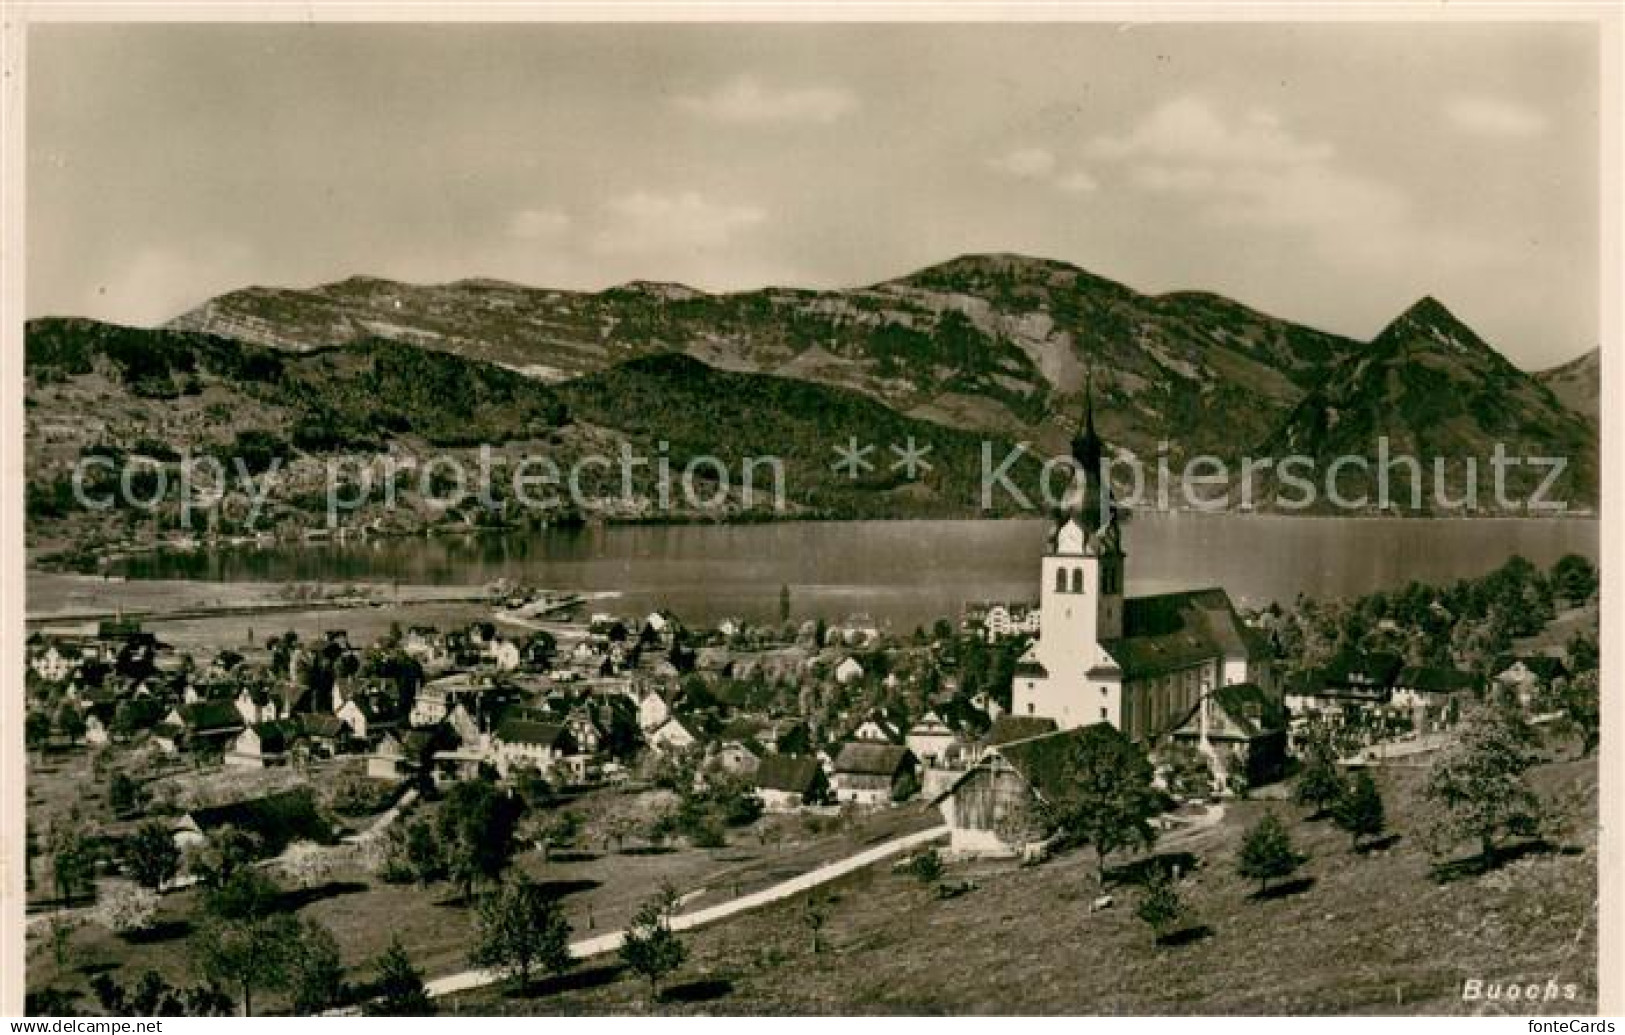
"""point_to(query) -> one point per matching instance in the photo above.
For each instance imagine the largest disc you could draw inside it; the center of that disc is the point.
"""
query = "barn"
(995, 808)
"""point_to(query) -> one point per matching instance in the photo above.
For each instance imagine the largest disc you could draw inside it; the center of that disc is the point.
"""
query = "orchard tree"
(1267, 853)
(476, 827)
(1107, 799)
(70, 722)
(37, 732)
(315, 971)
(1578, 703)
(650, 948)
(522, 929)
(150, 855)
(400, 986)
(1159, 906)
(1320, 781)
(1359, 812)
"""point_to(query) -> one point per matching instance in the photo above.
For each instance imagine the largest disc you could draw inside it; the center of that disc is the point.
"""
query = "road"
(470, 979)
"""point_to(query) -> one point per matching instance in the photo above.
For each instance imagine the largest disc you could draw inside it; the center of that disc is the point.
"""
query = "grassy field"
(1374, 933)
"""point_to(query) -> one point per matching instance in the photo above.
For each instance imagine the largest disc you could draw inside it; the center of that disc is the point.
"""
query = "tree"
(650, 948)
(521, 929)
(1267, 853)
(127, 910)
(150, 855)
(424, 856)
(1479, 781)
(222, 854)
(70, 722)
(1359, 812)
(1108, 799)
(248, 954)
(400, 986)
(1320, 783)
(784, 603)
(152, 996)
(476, 827)
(1159, 905)
(123, 794)
(1578, 702)
(815, 910)
(1575, 577)
(315, 971)
(73, 862)
(37, 732)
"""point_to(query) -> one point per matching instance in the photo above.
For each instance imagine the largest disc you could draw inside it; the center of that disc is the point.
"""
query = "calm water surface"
(910, 572)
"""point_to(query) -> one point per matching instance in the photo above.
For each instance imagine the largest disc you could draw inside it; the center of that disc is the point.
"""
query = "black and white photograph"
(806, 511)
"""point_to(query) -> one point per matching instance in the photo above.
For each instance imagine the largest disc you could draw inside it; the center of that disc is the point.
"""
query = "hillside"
(1373, 933)
(1435, 389)
(98, 390)
(1577, 383)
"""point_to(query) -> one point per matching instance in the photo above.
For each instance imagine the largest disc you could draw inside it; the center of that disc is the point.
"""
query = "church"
(1142, 664)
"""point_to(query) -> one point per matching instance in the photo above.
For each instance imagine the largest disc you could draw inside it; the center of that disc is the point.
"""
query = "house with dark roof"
(995, 807)
(867, 773)
(1526, 674)
(201, 723)
(263, 744)
(518, 743)
(1430, 688)
(787, 782)
(1352, 680)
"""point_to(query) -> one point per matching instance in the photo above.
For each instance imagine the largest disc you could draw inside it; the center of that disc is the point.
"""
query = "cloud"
(1037, 164)
(534, 224)
(745, 101)
(1494, 117)
(1248, 170)
(649, 223)
(1027, 163)
(1192, 130)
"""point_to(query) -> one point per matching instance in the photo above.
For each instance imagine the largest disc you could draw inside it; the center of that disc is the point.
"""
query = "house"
(520, 743)
(734, 757)
(1527, 674)
(929, 738)
(848, 671)
(368, 717)
(872, 774)
(1353, 680)
(206, 722)
(504, 655)
(787, 782)
(328, 734)
(878, 728)
(55, 661)
(256, 704)
(1240, 730)
(653, 711)
(263, 744)
(402, 754)
(993, 809)
(1430, 689)
(277, 819)
(584, 729)
(984, 702)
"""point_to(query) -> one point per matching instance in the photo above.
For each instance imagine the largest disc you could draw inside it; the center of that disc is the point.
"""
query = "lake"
(908, 573)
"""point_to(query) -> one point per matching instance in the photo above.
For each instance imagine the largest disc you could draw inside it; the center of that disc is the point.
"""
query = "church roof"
(1173, 631)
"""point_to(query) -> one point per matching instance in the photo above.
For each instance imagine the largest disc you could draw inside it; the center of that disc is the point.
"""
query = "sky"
(1329, 174)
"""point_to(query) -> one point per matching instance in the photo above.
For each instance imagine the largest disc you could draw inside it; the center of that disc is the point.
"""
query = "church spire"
(1087, 449)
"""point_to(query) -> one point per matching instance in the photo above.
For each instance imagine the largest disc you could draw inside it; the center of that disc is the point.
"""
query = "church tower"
(1071, 678)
